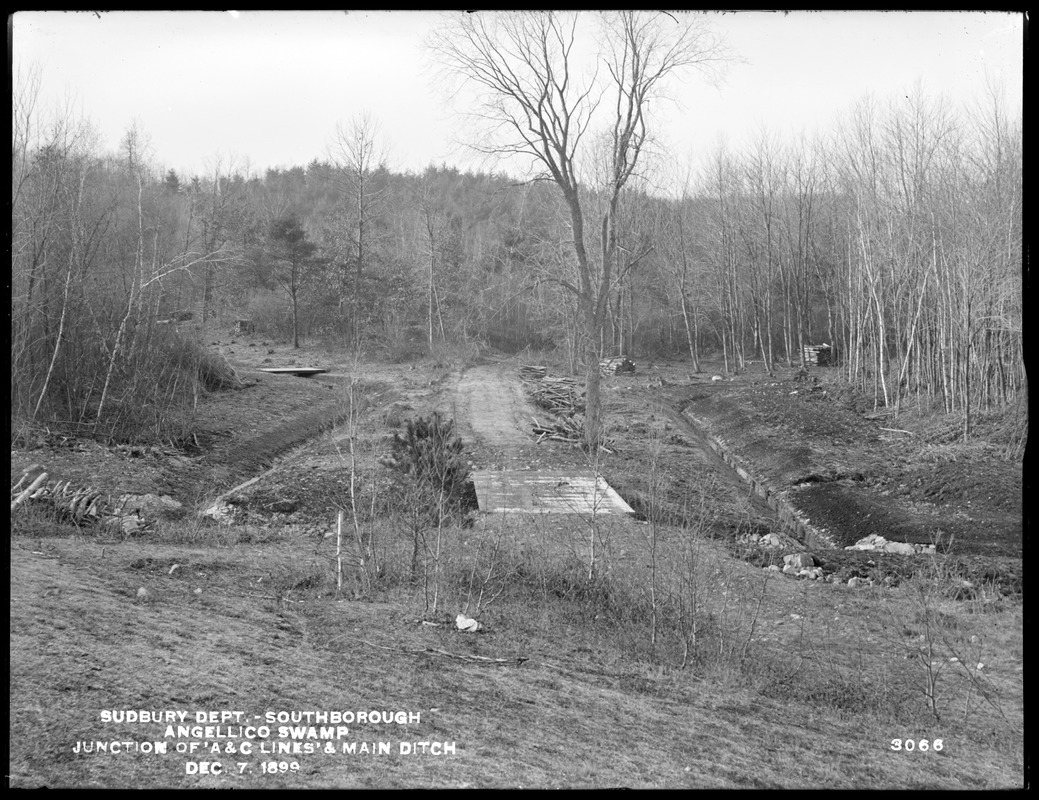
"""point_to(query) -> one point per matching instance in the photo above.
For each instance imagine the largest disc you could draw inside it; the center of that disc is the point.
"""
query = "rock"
(900, 548)
(789, 569)
(220, 511)
(142, 594)
(854, 583)
(800, 560)
(772, 568)
(467, 624)
(871, 542)
(772, 540)
(129, 524)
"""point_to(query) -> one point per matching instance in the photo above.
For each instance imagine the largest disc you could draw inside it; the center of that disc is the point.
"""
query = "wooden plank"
(302, 372)
(527, 492)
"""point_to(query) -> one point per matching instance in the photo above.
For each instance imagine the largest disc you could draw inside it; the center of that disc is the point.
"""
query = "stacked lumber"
(616, 365)
(818, 355)
(532, 373)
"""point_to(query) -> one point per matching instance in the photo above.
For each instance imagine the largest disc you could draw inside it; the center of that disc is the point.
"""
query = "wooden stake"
(339, 553)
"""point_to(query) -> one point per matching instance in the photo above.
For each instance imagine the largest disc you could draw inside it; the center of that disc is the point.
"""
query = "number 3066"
(909, 745)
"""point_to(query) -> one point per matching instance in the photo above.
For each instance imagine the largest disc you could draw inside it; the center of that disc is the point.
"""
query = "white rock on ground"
(800, 560)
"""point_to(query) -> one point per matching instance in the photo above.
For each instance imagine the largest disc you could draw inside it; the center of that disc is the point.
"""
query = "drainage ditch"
(789, 517)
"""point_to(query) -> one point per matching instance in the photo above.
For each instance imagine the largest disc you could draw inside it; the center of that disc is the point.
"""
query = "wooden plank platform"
(526, 492)
(299, 372)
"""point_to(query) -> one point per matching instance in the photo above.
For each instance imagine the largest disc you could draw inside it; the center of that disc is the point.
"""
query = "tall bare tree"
(525, 69)
(356, 153)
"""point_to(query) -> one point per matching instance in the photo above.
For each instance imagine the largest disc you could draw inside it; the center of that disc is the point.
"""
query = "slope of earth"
(536, 699)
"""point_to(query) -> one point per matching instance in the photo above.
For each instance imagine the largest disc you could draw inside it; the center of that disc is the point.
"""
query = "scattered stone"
(871, 542)
(772, 540)
(150, 506)
(789, 569)
(127, 525)
(467, 624)
(220, 511)
(800, 560)
(142, 594)
(854, 583)
(876, 542)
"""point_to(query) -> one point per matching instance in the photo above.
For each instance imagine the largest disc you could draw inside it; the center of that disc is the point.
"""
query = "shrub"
(427, 454)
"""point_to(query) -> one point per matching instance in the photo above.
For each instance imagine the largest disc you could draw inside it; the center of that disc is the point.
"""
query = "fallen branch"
(32, 487)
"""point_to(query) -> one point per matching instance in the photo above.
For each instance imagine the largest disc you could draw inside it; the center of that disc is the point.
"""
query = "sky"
(268, 89)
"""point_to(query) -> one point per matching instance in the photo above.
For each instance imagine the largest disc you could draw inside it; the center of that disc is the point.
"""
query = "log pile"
(559, 429)
(818, 355)
(532, 373)
(558, 395)
(86, 505)
(561, 397)
(617, 365)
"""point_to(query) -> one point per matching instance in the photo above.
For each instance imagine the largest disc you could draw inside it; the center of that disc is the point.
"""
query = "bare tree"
(356, 153)
(525, 68)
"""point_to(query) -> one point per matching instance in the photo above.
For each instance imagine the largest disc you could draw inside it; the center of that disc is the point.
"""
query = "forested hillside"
(895, 237)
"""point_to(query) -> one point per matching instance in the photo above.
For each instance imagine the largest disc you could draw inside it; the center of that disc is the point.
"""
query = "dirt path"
(492, 413)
